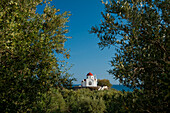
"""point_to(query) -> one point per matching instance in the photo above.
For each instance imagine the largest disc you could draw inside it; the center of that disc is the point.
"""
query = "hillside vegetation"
(87, 101)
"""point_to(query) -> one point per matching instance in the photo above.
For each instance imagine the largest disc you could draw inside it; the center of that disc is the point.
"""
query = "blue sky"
(86, 56)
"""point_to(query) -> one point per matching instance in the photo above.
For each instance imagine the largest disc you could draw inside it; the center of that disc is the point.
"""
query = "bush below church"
(80, 101)
(87, 101)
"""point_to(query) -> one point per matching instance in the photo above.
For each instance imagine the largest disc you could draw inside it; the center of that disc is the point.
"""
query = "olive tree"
(28, 41)
(139, 31)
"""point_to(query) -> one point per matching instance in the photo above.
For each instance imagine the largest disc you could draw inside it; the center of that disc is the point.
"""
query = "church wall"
(91, 78)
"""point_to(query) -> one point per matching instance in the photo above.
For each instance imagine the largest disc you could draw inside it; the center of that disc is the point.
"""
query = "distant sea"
(117, 87)
(121, 88)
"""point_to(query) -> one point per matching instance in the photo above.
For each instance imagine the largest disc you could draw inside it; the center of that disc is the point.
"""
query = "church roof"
(89, 74)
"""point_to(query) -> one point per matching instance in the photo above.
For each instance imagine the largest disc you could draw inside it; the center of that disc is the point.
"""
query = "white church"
(90, 81)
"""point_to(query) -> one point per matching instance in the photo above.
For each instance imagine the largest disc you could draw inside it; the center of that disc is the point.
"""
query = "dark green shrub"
(91, 105)
(51, 101)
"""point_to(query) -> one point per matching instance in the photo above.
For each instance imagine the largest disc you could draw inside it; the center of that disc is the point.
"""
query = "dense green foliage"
(139, 30)
(80, 101)
(104, 82)
(87, 101)
(28, 41)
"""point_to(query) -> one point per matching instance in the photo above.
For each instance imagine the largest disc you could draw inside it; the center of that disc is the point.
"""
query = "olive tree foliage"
(27, 43)
(104, 82)
(139, 30)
